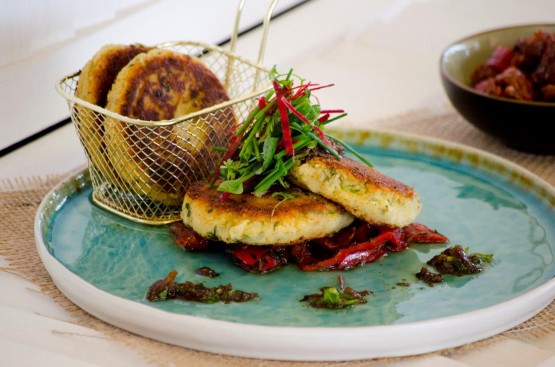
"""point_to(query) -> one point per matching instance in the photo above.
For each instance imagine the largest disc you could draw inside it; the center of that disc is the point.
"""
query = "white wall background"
(42, 41)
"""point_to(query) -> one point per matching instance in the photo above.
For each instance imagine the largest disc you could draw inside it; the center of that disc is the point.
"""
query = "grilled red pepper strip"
(419, 233)
(188, 239)
(259, 259)
(360, 254)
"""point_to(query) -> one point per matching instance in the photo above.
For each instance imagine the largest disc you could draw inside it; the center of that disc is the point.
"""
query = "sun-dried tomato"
(359, 244)
(258, 259)
(187, 238)
(419, 233)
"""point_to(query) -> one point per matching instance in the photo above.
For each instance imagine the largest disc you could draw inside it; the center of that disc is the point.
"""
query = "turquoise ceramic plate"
(105, 264)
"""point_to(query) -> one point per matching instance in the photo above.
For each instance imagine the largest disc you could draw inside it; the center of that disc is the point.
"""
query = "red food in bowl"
(504, 90)
(524, 72)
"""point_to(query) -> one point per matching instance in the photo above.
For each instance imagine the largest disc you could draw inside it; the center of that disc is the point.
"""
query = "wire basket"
(145, 180)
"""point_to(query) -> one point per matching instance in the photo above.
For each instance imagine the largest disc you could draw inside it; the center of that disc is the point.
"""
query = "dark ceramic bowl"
(526, 126)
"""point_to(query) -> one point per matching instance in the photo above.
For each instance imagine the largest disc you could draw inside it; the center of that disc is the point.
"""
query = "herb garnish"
(457, 261)
(454, 261)
(167, 288)
(281, 130)
(333, 298)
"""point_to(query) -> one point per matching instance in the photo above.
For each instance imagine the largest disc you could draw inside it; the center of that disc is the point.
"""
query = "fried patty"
(363, 191)
(98, 74)
(161, 161)
(269, 220)
(95, 80)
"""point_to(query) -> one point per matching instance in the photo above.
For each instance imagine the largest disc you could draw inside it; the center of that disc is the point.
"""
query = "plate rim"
(289, 343)
(453, 146)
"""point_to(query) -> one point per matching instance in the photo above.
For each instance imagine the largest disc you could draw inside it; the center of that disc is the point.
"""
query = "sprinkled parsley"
(333, 298)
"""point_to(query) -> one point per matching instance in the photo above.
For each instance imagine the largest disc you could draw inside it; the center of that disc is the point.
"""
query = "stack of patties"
(151, 84)
(326, 196)
(95, 81)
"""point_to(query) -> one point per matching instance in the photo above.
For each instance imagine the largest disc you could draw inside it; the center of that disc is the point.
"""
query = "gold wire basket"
(167, 155)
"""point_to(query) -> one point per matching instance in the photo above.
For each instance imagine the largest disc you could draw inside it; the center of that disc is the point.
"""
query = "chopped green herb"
(456, 260)
(333, 298)
(283, 195)
(187, 209)
(479, 258)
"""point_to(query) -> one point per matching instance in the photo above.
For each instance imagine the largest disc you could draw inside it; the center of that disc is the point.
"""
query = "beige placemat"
(19, 199)
(444, 123)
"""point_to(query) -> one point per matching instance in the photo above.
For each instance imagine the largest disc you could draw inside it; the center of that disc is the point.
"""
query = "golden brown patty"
(98, 74)
(161, 161)
(363, 191)
(95, 80)
(267, 220)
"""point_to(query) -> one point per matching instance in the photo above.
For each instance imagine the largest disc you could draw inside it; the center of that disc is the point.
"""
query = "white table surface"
(382, 56)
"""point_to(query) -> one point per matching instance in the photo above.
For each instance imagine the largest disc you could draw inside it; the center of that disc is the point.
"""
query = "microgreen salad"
(282, 129)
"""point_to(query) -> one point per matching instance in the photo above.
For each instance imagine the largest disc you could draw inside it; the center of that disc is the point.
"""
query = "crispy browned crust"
(162, 160)
(260, 208)
(267, 220)
(154, 87)
(363, 191)
(366, 175)
(95, 80)
(99, 73)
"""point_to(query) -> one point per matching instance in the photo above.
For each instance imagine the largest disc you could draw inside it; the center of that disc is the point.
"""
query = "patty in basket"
(95, 80)
(161, 161)
(284, 219)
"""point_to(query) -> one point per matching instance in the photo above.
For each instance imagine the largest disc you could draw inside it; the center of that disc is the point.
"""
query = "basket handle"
(265, 27)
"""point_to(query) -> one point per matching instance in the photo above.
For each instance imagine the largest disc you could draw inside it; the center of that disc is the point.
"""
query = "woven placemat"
(19, 200)
(444, 123)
